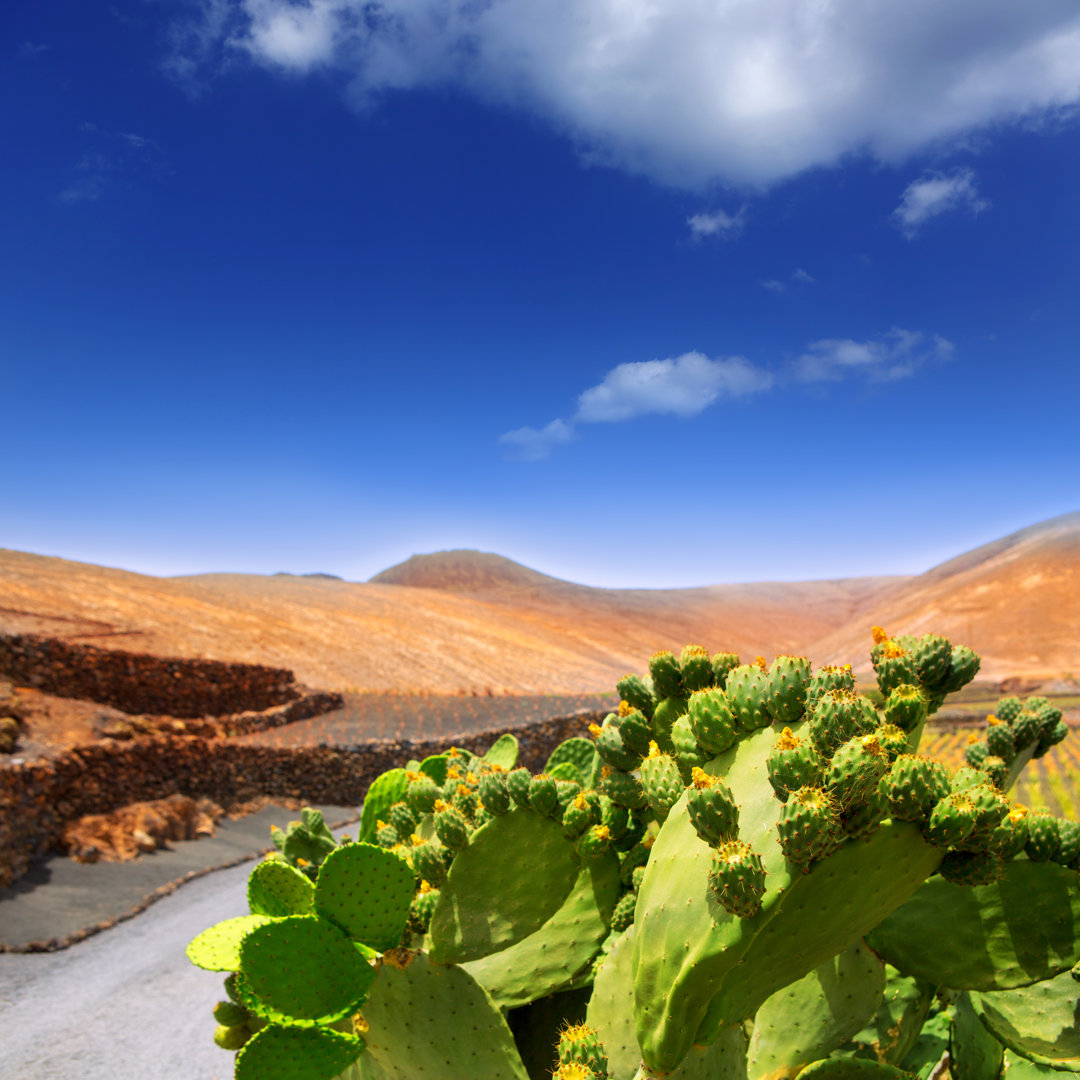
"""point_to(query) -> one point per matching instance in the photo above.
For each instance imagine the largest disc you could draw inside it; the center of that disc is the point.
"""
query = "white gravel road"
(125, 1004)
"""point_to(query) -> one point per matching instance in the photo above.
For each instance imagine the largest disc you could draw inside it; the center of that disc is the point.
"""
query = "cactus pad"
(385, 790)
(425, 1020)
(295, 1053)
(581, 753)
(490, 899)
(503, 752)
(366, 891)
(277, 889)
(305, 968)
(218, 948)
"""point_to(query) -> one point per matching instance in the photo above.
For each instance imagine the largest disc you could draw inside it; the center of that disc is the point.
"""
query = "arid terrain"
(466, 620)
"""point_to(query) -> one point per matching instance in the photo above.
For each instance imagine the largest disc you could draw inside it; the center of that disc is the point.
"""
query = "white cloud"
(530, 444)
(744, 91)
(938, 193)
(718, 223)
(803, 276)
(894, 355)
(684, 385)
(773, 285)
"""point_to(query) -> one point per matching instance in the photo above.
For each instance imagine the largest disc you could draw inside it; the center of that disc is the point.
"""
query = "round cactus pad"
(383, 793)
(551, 956)
(292, 1053)
(1022, 929)
(366, 890)
(305, 968)
(425, 1020)
(974, 1051)
(1020, 1068)
(893, 1029)
(218, 948)
(435, 767)
(492, 897)
(277, 889)
(503, 751)
(1038, 1021)
(816, 1014)
(581, 753)
(699, 967)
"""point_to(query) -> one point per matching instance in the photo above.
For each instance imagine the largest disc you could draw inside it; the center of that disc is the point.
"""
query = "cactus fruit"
(951, 821)
(996, 770)
(594, 843)
(963, 667)
(809, 826)
(230, 1037)
(519, 784)
(933, 659)
(1010, 836)
(403, 819)
(688, 755)
(894, 665)
(495, 792)
(579, 1043)
(838, 716)
(611, 748)
(229, 1014)
(663, 719)
(855, 769)
(712, 720)
(582, 813)
(712, 808)
(976, 751)
(543, 797)
(696, 668)
(906, 707)
(621, 788)
(386, 836)
(1043, 836)
(746, 688)
(723, 664)
(793, 763)
(637, 693)
(737, 878)
(635, 729)
(1026, 727)
(1068, 852)
(450, 826)
(660, 781)
(999, 739)
(666, 677)
(623, 915)
(913, 785)
(785, 695)
(422, 907)
(826, 678)
(893, 741)
(428, 861)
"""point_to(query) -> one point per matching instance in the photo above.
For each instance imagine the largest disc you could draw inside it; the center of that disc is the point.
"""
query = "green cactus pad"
(385, 790)
(218, 948)
(1016, 1067)
(611, 1008)
(581, 753)
(305, 968)
(435, 766)
(974, 1054)
(491, 898)
(425, 1020)
(1022, 929)
(277, 889)
(816, 1014)
(503, 751)
(549, 957)
(688, 949)
(295, 1053)
(366, 891)
(893, 1029)
(1039, 1021)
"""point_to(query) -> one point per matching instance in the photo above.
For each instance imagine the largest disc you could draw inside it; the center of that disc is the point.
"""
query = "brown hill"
(1015, 601)
(479, 622)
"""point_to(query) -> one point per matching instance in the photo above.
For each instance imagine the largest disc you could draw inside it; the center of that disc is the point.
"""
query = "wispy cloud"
(718, 223)
(30, 49)
(687, 385)
(799, 276)
(110, 157)
(773, 285)
(532, 444)
(938, 193)
(894, 355)
(684, 92)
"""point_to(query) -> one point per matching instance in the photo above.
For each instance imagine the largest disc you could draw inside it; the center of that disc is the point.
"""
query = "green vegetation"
(747, 872)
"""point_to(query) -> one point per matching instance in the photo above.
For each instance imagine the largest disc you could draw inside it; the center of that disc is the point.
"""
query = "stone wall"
(37, 800)
(140, 683)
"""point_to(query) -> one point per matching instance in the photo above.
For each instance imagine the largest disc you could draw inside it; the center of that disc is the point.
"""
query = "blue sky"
(639, 294)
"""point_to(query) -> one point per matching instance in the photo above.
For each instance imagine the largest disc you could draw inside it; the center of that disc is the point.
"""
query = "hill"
(1015, 601)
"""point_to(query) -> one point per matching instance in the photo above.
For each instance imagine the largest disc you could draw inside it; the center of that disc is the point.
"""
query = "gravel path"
(125, 1004)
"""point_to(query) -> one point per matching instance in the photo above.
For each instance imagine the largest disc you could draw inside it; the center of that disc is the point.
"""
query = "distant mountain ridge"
(453, 620)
